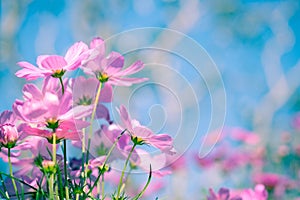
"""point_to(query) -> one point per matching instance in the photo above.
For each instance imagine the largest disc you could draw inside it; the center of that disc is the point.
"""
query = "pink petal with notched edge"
(7, 117)
(75, 54)
(28, 130)
(162, 142)
(78, 112)
(106, 93)
(83, 87)
(39, 60)
(97, 42)
(98, 48)
(142, 132)
(102, 112)
(30, 91)
(114, 60)
(135, 67)
(54, 63)
(30, 72)
(125, 117)
(120, 81)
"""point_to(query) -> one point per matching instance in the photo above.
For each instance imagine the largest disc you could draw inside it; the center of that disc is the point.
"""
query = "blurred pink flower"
(244, 136)
(223, 194)
(177, 163)
(259, 193)
(270, 180)
(142, 135)
(54, 65)
(109, 69)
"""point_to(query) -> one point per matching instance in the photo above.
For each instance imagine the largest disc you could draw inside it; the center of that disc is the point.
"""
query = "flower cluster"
(37, 135)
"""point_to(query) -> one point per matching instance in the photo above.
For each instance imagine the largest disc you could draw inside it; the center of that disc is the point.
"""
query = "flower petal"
(29, 71)
(54, 63)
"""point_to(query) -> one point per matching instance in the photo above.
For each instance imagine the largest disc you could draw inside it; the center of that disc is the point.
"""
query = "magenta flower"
(259, 193)
(45, 111)
(54, 65)
(223, 194)
(109, 69)
(142, 135)
(245, 136)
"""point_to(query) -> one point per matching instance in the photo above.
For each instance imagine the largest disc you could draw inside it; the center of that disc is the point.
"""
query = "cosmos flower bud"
(49, 166)
(8, 135)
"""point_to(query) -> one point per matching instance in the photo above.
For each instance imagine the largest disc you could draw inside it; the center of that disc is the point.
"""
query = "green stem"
(54, 147)
(145, 187)
(51, 181)
(12, 177)
(91, 132)
(123, 171)
(65, 164)
(4, 187)
(62, 85)
(102, 187)
(67, 193)
(92, 119)
(82, 174)
(11, 173)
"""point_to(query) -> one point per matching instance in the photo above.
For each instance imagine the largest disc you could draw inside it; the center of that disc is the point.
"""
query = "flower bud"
(49, 166)
(8, 135)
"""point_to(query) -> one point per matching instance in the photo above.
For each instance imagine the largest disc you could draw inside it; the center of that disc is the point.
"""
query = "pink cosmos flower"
(46, 111)
(84, 91)
(142, 135)
(54, 65)
(109, 69)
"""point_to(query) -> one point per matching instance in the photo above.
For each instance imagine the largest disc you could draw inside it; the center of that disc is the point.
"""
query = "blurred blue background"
(255, 45)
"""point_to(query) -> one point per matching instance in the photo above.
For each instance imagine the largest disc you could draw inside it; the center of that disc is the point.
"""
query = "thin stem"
(92, 119)
(102, 187)
(67, 193)
(4, 187)
(51, 181)
(62, 85)
(12, 177)
(11, 173)
(60, 184)
(65, 164)
(123, 171)
(82, 174)
(54, 147)
(91, 132)
(145, 187)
